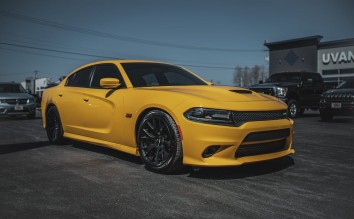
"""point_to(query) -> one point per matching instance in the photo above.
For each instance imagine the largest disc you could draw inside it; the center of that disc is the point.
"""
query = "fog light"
(210, 151)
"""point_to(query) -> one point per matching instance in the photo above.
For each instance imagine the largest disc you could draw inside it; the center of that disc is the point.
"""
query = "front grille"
(339, 97)
(242, 117)
(267, 135)
(15, 101)
(269, 91)
(260, 148)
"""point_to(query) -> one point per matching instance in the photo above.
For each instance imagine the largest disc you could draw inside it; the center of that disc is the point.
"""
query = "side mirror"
(110, 83)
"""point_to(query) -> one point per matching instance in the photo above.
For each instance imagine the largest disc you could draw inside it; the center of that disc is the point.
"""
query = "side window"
(106, 71)
(80, 78)
(317, 79)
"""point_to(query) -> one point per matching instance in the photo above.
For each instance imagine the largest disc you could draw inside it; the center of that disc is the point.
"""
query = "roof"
(336, 43)
(298, 42)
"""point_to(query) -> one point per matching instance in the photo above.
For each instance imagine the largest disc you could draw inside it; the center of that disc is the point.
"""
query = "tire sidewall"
(176, 151)
(60, 137)
(291, 103)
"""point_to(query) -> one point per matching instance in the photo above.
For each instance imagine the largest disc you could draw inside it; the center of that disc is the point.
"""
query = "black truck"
(300, 90)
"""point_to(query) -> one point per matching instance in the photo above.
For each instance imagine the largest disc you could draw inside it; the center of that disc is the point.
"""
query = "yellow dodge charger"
(166, 115)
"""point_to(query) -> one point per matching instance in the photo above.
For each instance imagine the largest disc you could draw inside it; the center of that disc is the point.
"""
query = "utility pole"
(35, 76)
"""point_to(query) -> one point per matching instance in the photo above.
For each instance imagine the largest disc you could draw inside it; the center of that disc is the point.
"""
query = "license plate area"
(18, 108)
(336, 105)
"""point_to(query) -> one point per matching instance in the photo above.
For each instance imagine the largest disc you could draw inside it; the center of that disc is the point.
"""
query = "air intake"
(242, 91)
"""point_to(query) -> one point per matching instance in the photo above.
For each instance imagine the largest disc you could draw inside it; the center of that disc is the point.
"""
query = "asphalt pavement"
(40, 180)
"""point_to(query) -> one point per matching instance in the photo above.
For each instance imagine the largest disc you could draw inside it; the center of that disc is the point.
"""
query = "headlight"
(211, 116)
(30, 100)
(280, 91)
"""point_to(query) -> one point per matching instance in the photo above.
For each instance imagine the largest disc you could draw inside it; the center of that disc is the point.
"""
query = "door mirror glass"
(109, 83)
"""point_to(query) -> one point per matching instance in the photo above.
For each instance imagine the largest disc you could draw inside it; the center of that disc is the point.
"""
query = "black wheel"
(54, 127)
(293, 108)
(159, 142)
(326, 116)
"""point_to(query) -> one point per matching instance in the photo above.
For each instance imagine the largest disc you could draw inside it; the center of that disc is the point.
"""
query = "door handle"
(60, 95)
(86, 99)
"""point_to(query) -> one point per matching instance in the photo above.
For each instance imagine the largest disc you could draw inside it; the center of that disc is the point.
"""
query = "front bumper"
(197, 137)
(346, 109)
(17, 110)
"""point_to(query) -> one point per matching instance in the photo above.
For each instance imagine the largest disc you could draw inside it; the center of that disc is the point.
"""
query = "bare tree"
(238, 76)
(246, 79)
(255, 74)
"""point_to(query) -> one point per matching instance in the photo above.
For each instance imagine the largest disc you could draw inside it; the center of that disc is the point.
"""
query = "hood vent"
(242, 91)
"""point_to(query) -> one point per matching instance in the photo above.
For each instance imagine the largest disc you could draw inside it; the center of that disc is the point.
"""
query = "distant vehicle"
(167, 115)
(15, 101)
(338, 101)
(300, 90)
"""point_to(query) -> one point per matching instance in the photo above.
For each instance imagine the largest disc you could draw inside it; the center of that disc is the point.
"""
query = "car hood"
(15, 96)
(273, 84)
(340, 91)
(215, 93)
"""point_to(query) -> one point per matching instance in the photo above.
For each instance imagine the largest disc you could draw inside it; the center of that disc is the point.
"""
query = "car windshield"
(346, 84)
(155, 74)
(285, 77)
(11, 88)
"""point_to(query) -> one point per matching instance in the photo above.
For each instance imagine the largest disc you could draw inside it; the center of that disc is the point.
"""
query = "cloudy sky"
(210, 38)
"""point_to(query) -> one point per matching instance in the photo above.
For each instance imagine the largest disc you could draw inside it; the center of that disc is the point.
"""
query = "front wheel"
(159, 142)
(293, 108)
(54, 127)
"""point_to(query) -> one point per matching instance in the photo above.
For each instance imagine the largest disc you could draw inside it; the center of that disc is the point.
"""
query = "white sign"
(337, 57)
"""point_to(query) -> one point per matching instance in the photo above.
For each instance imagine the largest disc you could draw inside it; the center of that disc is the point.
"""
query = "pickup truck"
(300, 90)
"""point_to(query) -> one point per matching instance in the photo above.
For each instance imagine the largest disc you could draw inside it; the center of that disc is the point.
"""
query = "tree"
(255, 74)
(246, 79)
(238, 76)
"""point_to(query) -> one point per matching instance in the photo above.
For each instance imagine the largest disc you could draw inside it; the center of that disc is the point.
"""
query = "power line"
(97, 56)
(116, 36)
(47, 55)
(58, 51)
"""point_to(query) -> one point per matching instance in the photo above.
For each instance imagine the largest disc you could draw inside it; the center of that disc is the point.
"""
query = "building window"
(330, 72)
(347, 71)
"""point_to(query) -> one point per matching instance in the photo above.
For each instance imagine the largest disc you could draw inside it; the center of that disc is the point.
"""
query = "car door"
(71, 101)
(104, 107)
(306, 89)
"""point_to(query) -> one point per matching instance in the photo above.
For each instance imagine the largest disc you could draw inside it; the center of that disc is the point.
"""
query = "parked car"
(299, 90)
(166, 115)
(338, 101)
(15, 101)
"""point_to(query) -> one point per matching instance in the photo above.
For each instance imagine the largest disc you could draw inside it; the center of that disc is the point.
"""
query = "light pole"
(35, 76)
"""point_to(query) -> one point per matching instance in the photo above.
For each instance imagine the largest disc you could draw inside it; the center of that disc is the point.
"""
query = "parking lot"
(80, 180)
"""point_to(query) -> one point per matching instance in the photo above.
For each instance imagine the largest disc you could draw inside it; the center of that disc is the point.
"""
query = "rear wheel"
(159, 142)
(54, 127)
(293, 108)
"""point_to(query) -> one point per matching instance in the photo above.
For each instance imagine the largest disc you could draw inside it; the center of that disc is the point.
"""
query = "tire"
(326, 116)
(54, 127)
(293, 108)
(159, 142)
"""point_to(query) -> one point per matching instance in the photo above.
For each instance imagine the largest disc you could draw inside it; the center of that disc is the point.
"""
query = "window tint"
(106, 71)
(80, 79)
(155, 74)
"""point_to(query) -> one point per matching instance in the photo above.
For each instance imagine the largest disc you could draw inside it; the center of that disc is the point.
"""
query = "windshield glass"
(155, 74)
(346, 84)
(11, 88)
(285, 77)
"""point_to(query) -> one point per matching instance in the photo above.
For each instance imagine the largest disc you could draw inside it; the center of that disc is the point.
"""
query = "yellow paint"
(88, 115)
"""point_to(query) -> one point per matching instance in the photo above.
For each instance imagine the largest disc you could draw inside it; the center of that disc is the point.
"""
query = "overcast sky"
(208, 37)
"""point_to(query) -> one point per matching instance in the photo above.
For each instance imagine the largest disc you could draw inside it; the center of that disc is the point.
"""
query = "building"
(36, 86)
(334, 60)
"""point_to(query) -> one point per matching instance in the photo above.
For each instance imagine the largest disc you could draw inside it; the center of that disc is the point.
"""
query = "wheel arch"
(146, 111)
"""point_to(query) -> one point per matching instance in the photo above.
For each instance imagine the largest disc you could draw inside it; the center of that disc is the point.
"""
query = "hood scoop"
(242, 91)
